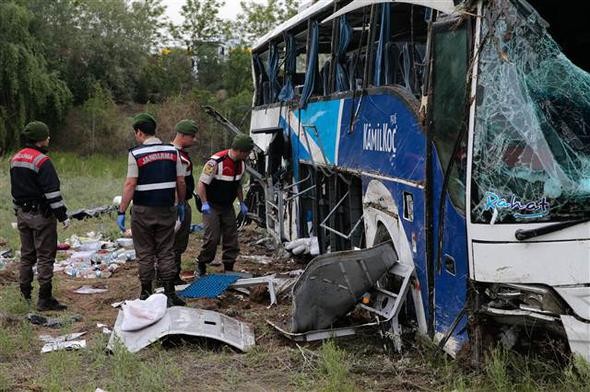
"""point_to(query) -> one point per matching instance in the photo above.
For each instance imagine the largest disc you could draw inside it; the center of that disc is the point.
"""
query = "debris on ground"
(85, 213)
(52, 322)
(92, 258)
(86, 289)
(6, 256)
(275, 285)
(104, 328)
(181, 320)
(63, 342)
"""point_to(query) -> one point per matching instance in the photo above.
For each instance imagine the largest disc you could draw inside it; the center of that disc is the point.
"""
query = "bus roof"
(295, 20)
(446, 6)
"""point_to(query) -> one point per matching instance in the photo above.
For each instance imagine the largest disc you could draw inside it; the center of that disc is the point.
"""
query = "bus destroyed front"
(530, 186)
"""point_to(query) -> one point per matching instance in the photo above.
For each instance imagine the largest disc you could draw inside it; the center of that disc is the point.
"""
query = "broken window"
(531, 153)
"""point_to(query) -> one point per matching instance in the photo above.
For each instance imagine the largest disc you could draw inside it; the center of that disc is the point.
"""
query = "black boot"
(170, 292)
(201, 270)
(146, 290)
(25, 290)
(46, 300)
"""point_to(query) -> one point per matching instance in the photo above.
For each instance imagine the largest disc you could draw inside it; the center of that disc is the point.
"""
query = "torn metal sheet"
(67, 345)
(322, 334)
(333, 284)
(277, 284)
(180, 320)
(63, 342)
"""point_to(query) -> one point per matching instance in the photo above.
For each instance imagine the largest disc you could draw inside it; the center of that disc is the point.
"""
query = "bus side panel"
(384, 137)
(451, 266)
(408, 235)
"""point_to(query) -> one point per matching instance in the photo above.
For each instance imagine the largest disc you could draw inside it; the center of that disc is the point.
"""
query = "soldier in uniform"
(38, 203)
(155, 180)
(219, 185)
(186, 131)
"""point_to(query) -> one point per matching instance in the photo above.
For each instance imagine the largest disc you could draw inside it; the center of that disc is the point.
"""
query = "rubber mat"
(208, 286)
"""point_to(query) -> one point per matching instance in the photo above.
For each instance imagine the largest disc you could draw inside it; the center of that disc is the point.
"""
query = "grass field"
(275, 364)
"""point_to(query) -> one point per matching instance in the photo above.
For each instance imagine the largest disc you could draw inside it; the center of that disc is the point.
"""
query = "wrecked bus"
(460, 132)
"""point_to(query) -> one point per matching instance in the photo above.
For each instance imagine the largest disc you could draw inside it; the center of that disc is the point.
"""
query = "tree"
(257, 19)
(28, 90)
(108, 41)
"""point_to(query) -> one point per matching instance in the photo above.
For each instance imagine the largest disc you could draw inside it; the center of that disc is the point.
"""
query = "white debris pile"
(89, 257)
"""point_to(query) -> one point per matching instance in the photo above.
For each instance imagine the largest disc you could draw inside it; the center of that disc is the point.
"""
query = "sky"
(229, 11)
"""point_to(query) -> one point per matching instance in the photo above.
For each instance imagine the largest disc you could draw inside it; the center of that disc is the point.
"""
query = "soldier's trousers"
(153, 238)
(38, 237)
(181, 238)
(220, 224)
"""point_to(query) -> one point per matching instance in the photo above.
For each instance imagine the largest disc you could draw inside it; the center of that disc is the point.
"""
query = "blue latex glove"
(121, 221)
(181, 208)
(206, 208)
(243, 208)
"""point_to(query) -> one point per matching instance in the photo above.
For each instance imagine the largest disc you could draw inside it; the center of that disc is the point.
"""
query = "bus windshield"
(531, 146)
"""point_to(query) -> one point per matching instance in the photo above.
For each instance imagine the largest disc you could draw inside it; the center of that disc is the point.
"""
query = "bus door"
(447, 117)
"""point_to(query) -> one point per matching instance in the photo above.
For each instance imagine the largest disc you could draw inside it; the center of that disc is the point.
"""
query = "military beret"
(36, 131)
(242, 142)
(186, 127)
(142, 118)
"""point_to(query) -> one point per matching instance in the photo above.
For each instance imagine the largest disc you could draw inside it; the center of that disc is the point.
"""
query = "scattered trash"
(209, 286)
(277, 284)
(181, 320)
(63, 246)
(51, 322)
(139, 314)
(117, 304)
(264, 260)
(61, 338)
(89, 290)
(65, 344)
(105, 328)
(91, 212)
(126, 243)
(99, 390)
(94, 258)
(6, 257)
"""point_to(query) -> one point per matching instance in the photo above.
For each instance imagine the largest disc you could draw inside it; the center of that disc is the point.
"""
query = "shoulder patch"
(209, 168)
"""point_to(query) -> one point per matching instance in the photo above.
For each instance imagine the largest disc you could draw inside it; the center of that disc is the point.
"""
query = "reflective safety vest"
(156, 182)
(227, 179)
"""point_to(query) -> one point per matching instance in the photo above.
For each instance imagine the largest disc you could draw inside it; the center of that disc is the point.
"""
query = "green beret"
(242, 142)
(186, 127)
(142, 118)
(36, 131)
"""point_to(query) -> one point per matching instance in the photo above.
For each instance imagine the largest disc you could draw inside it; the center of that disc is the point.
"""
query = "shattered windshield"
(531, 152)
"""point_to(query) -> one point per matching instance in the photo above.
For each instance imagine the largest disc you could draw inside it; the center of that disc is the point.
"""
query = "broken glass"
(531, 152)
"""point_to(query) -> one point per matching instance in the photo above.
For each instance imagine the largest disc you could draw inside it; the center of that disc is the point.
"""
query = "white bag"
(139, 314)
